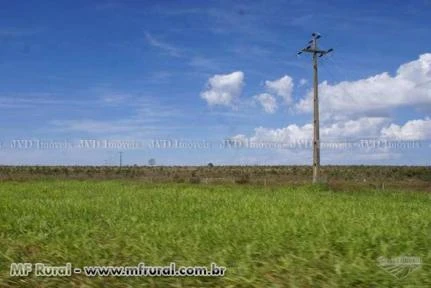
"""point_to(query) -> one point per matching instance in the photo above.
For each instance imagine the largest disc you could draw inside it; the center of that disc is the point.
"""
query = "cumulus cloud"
(361, 128)
(282, 87)
(411, 86)
(268, 102)
(289, 134)
(412, 130)
(224, 89)
(353, 129)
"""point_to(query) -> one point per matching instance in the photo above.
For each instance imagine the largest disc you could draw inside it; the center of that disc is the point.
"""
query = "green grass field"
(300, 236)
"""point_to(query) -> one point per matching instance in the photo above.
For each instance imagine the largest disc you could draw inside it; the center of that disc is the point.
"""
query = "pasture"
(266, 236)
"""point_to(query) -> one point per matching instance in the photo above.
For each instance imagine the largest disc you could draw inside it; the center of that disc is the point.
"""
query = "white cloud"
(411, 86)
(268, 102)
(340, 134)
(171, 50)
(224, 89)
(302, 82)
(412, 130)
(289, 134)
(282, 87)
(360, 128)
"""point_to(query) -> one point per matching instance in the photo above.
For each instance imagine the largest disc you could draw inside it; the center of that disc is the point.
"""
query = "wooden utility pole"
(313, 49)
(121, 158)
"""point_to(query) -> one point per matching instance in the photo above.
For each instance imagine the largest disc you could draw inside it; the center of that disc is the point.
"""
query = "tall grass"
(266, 237)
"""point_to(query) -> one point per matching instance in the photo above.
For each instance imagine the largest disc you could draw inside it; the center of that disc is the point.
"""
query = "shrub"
(178, 179)
(195, 180)
(243, 179)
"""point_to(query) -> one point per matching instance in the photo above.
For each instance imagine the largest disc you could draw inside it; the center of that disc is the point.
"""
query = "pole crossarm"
(313, 48)
(315, 51)
(320, 52)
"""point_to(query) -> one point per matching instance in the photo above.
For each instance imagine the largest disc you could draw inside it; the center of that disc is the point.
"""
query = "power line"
(315, 51)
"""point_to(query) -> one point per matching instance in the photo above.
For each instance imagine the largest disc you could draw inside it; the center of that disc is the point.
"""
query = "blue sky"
(210, 70)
